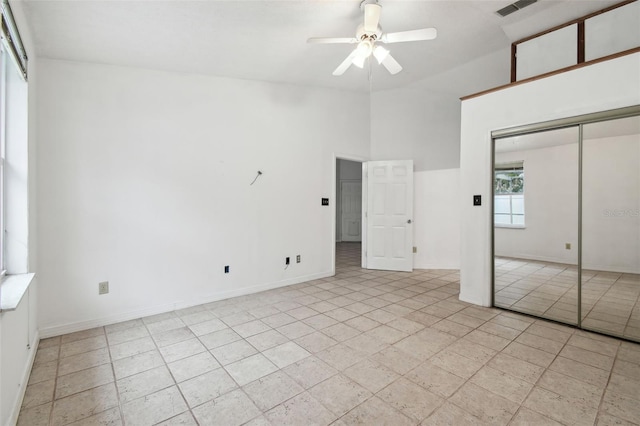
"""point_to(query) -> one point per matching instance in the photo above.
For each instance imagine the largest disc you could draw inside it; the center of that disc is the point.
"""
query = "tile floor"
(363, 347)
(610, 300)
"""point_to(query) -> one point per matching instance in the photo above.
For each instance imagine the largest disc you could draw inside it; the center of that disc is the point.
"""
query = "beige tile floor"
(363, 347)
(610, 300)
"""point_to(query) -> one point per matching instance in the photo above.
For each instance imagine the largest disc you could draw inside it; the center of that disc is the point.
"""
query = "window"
(508, 205)
(14, 162)
(2, 151)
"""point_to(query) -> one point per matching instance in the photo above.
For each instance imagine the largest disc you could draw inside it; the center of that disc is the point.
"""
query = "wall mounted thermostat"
(477, 200)
(325, 201)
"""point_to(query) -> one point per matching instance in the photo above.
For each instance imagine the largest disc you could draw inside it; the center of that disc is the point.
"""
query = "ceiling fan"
(368, 35)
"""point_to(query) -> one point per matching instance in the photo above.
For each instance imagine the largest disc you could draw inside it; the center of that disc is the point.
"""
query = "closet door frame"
(563, 123)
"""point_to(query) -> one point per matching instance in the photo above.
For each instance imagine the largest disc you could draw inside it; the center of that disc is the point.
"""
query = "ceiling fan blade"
(331, 40)
(345, 64)
(371, 17)
(413, 35)
(391, 65)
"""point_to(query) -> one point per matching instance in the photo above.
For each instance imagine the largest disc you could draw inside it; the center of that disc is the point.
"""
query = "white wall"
(423, 126)
(437, 219)
(19, 340)
(421, 122)
(144, 181)
(607, 85)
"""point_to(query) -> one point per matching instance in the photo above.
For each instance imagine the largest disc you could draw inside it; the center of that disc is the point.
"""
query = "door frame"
(574, 121)
(342, 156)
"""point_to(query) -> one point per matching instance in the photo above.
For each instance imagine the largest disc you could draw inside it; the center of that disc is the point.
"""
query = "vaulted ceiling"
(266, 40)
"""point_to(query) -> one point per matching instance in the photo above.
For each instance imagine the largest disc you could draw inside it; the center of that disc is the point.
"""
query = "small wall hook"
(256, 178)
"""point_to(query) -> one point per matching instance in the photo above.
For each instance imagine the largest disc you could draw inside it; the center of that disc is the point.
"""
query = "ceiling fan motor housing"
(363, 3)
(361, 34)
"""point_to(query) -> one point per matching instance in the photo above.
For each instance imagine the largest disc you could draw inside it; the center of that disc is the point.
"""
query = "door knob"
(409, 221)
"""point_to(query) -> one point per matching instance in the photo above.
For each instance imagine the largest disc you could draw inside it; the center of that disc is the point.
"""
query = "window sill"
(12, 289)
(510, 226)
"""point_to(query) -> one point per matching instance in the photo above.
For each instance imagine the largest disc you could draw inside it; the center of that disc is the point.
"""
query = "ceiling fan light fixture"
(364, 49)
(380, 53)
(358, 61)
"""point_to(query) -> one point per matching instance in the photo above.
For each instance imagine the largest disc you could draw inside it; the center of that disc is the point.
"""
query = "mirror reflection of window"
(509, 194)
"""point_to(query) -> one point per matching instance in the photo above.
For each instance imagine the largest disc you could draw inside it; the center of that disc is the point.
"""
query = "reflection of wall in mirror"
(611, 205)
(550, 203)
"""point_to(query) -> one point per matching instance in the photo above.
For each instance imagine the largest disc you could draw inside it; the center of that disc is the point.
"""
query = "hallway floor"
(363, 347)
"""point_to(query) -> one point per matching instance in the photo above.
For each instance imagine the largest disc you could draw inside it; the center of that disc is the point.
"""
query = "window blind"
(11, 39)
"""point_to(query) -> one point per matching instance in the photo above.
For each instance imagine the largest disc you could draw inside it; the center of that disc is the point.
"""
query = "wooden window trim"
(551, 73)
(581, 36)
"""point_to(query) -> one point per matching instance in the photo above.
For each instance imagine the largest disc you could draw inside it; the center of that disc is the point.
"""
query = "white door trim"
(365, 219)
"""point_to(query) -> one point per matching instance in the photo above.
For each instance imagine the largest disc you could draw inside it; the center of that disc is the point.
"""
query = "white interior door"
(351, 210)
(389, 201)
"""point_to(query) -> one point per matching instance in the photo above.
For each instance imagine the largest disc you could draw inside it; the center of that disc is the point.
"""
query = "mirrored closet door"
(566, 215)
(611, 227)
(535, 183)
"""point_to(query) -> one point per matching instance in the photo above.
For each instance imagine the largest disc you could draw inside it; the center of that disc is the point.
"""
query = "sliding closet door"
(611, 227)
(535, 182)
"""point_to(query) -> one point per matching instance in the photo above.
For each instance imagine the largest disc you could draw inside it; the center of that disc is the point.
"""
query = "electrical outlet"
(103, 287)
(226, 269)
(298, 259)
(567, 246)
(286, 261)
(415, 249)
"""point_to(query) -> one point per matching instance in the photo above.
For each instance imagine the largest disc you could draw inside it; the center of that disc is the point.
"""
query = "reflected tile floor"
(363, 347)
(610, 300)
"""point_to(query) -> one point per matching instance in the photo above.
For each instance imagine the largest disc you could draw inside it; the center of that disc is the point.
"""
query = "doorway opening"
(348, 212)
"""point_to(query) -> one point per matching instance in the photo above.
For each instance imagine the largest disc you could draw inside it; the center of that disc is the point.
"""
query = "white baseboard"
(58, 330)
(17, 404)
(463, 298)
(437, 266)
(593, 267)
(611, 269)
(535, 258)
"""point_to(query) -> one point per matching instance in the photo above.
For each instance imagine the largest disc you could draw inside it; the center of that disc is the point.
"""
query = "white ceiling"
(266, 40)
